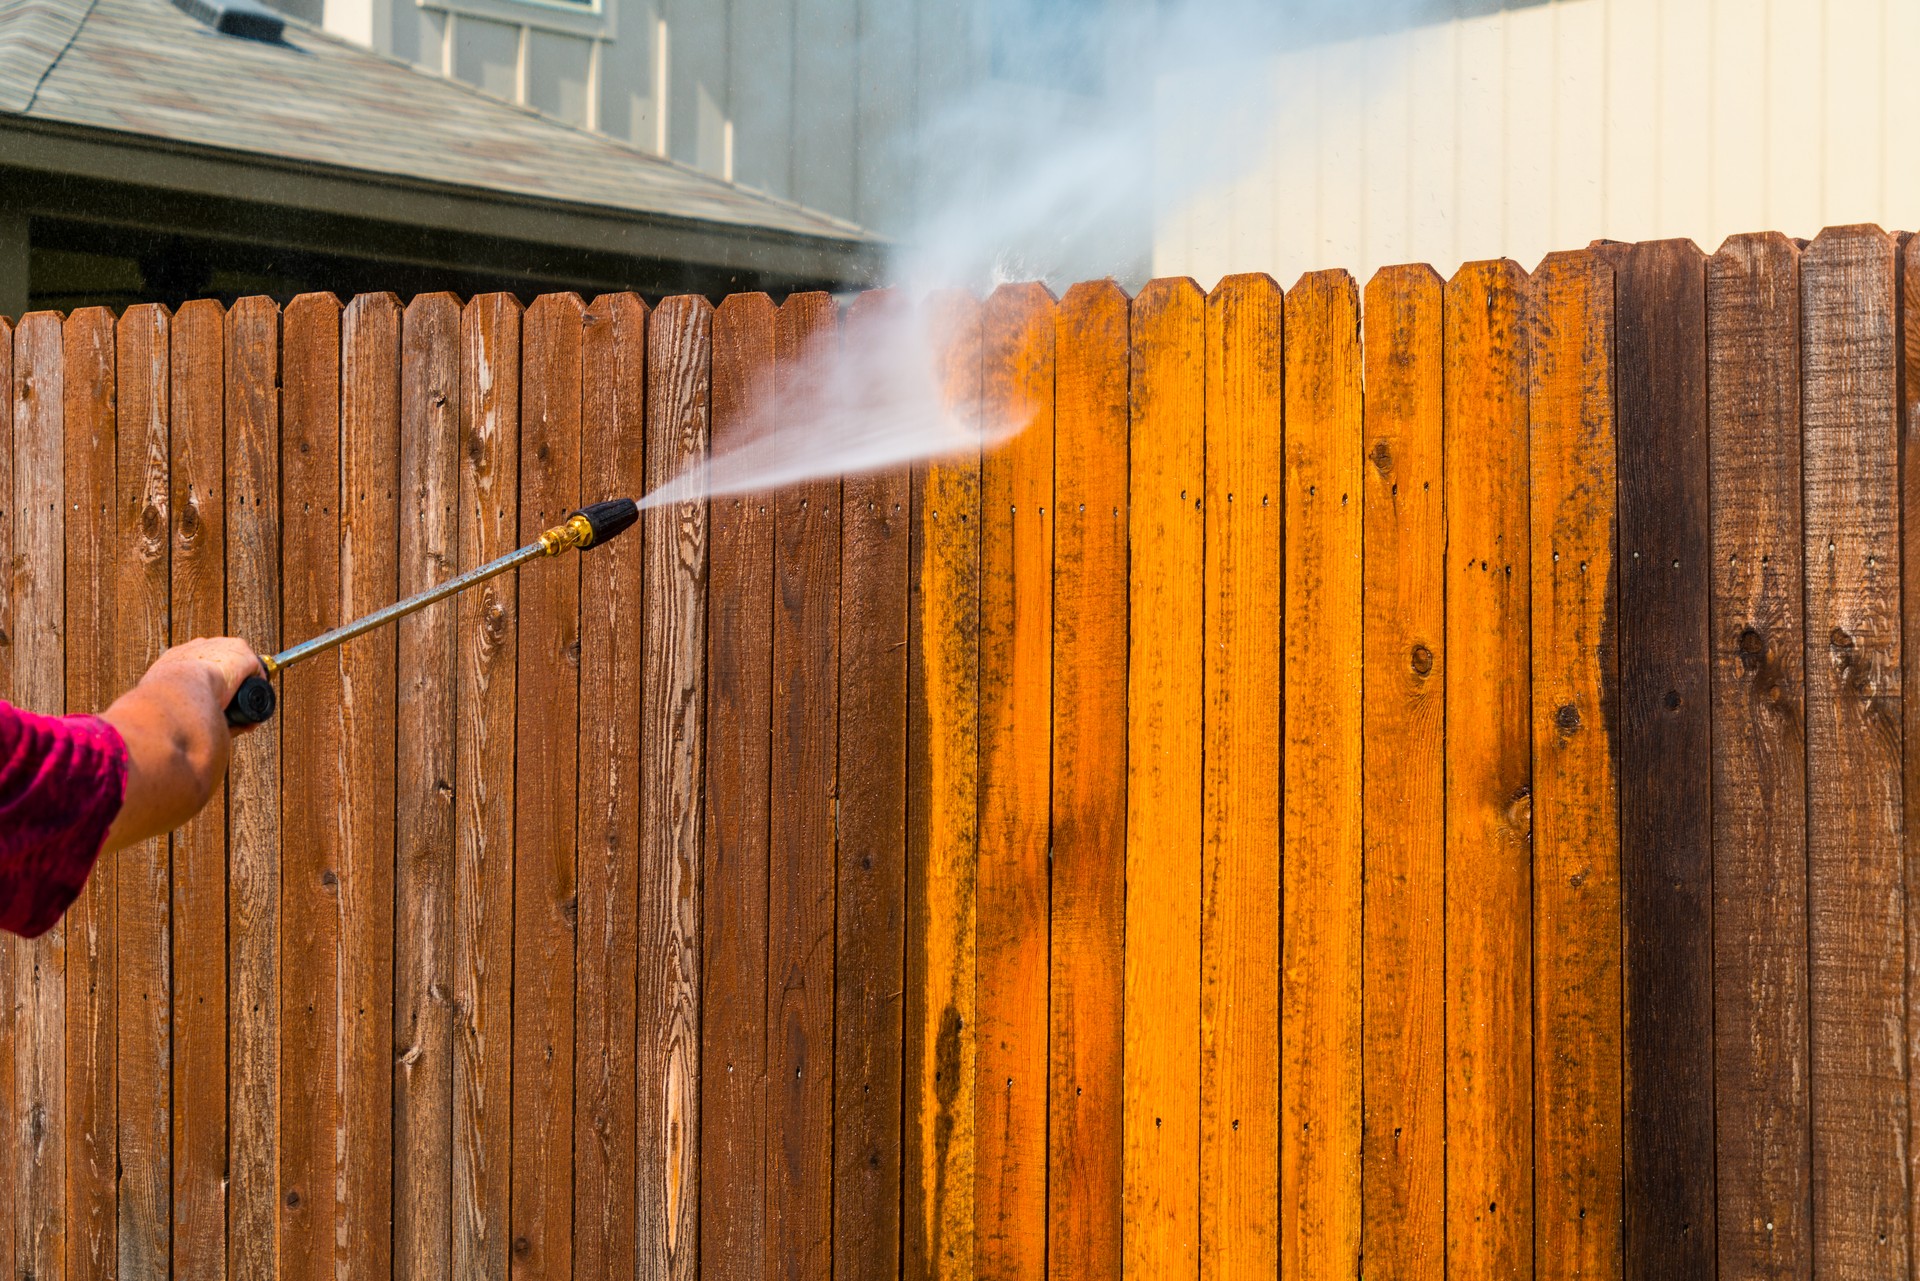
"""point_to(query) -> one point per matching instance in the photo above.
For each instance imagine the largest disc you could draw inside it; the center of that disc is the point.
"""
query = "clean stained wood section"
(1762, 1157)
(546, 747)
(1320, 975)
(1489, 779)
(606, 1019)
(668, 1071)
(1665, 746)
(1849, 415)
(1161, 1064)
(733, 944)
(801, 851)
(870, 920)
(938, 1150)
(1237, 884)
(1016, 633)
(1403, 1158)
(1087, 912)
(487, 630)
(1576, 834)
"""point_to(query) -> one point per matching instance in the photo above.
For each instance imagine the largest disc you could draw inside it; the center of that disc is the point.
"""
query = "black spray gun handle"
(253, 703)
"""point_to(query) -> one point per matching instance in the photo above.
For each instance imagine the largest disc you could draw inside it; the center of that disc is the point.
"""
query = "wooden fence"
(1410, 789)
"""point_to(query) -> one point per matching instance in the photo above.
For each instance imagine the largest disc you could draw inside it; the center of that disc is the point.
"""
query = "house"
(149, 153)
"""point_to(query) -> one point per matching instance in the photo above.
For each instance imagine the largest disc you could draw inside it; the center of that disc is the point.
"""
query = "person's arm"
(175, 727)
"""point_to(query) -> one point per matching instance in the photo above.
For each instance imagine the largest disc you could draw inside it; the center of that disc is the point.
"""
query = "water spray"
(589, 527)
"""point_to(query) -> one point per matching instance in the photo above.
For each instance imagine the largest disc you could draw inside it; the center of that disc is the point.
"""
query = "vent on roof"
(243, 18)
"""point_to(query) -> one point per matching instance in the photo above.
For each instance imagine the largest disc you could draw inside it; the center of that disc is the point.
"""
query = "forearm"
(176, 751)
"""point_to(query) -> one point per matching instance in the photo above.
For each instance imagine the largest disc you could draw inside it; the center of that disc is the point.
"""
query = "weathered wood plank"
(943, 692)
(1403, 1232)
(1763, 1158)
(612, 464)
(1489, 890)
(143, 1040)
(1016, 582)
(1909, 357)
(679, 405)
(370, 429)
(870, 920)
(198, 566)
(733, 1106)
(313, 796)
(1321, 859)
(1576, 922)
(90, 436)
(800, 884)
(37, 589)
(1089, 843)
(427, 484)
(546, 778)
(1237, 929)
(252, 524)
(487, 628)
(1856, 883)
(1164, 1086)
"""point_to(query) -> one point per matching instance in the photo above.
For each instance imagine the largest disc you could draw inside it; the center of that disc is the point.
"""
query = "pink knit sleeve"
(62, 779)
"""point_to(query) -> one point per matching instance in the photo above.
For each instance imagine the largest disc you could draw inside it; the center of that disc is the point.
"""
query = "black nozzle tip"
(253, 703)
(609, 519)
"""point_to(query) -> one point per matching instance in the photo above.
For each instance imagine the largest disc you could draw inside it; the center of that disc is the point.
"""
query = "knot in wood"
(1840, 639)
(1422, 660)
(1567, 718)
(522, 1247)
(1382, 457)
(1673, 700)
(293, 1198)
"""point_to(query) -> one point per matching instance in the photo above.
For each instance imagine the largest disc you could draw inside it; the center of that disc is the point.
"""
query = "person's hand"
(175, 726)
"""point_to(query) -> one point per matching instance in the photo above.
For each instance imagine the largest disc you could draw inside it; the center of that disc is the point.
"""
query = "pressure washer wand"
(588, 527)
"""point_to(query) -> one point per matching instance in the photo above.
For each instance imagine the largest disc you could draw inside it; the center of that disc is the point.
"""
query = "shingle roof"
(144, 67)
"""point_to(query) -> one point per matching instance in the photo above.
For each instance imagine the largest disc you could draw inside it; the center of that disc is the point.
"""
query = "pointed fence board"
(1403, 1144)
(1161, 1063)
(1236, 885)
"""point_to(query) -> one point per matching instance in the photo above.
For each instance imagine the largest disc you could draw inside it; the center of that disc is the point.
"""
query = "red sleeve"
(62, 780)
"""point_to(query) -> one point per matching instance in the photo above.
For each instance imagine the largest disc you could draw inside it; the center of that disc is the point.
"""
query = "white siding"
(1547, 126)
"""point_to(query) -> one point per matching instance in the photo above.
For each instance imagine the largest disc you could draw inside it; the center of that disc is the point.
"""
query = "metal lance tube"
(588, 527)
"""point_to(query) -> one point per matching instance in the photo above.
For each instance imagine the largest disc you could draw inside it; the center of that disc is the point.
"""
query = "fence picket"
(140, 572)
(1909, 384)
(943, 735)
(1849, 410)
(871, 917)
(733, 945)
(1235, 888)
(1403, 1226)
(1762, 1168)
(612, 464)
(1576, 844)
(89, 433)
(1164, 1086)
(1490, 804)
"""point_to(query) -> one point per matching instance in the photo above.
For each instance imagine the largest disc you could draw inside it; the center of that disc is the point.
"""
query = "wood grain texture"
(1849, 414)
(252, 525)
(1576, 923)
(198, 1032)
(546, 746)
(1763, 1159)
(13, 1143)
(1161, 1062)
(733, 944)
(1239, 878)
(140, 569)
(943, 691)
(667, 1107)
(1489, 750)
(1016, 591)
(487, 627)
(427, 484)
(1403, 1229)
(1665, 745)
(612, 463)
(800, 886)
(37, 589)
(370, 430)
(1087, 920)
(870, 925)
(314, 786)
(1321, 894)
(1909, 357)
(90, 541)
